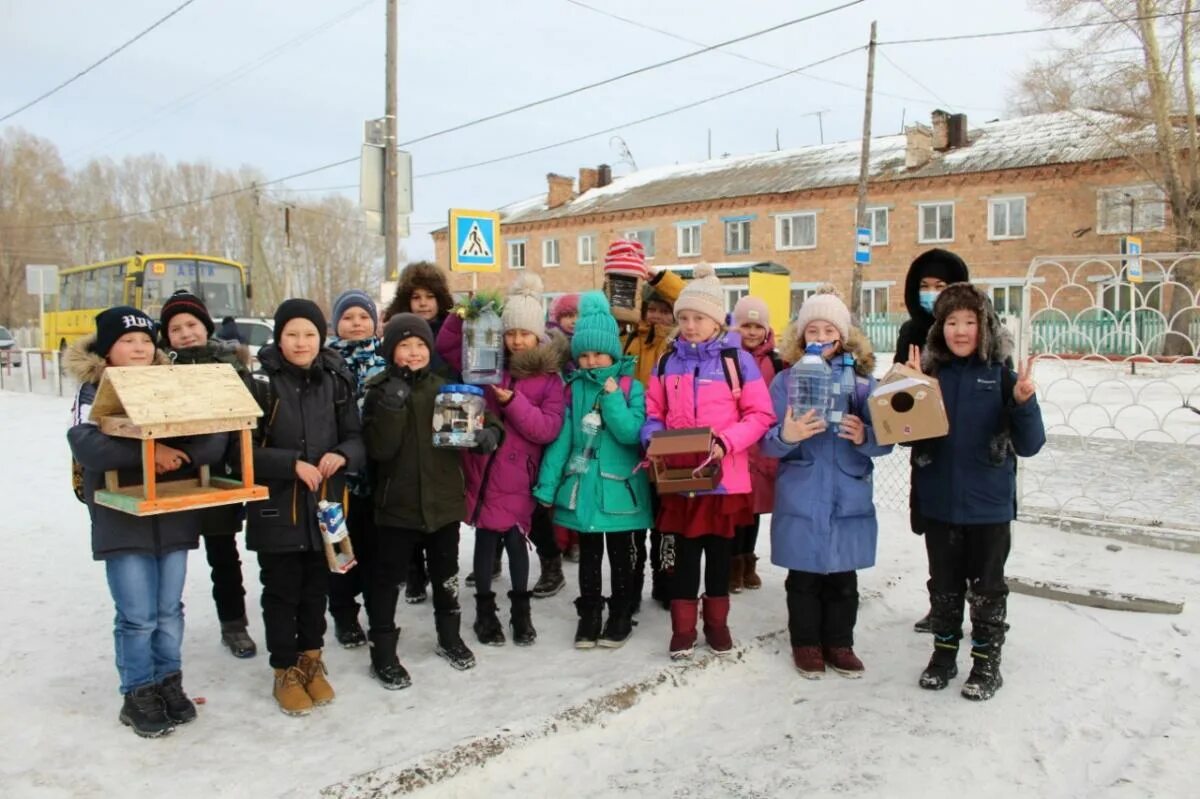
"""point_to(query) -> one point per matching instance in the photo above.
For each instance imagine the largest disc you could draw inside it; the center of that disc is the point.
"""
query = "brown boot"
(315, 684)
(737, 568)
(290, 693)
(750, 577)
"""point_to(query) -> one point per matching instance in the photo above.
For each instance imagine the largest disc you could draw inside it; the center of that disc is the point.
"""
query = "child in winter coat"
(823, 528)
(966, 482)
(418, 494)
(307, 441)
(564, 314)
(929, 273)
(706, 380)
(752, 320)
(528, 400)
(590, 473)
(145, 557)
(187, 338)
(355, 324)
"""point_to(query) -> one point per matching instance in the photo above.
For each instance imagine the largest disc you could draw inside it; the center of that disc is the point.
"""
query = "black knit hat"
(300, 309)
(116, 322)
(400, 327)
(184, 301)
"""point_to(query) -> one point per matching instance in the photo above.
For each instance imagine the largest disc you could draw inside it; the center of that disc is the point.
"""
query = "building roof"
(1056, 138)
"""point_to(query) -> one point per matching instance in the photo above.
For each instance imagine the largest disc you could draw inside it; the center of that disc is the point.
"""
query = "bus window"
(222, 289)
(218, 285)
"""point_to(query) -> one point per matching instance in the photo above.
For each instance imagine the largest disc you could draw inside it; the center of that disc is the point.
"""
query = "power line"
(913, 78)
(1022, 31)
(88, 69)
(631, 73)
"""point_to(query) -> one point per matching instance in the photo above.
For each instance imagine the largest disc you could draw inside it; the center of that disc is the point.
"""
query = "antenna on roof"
(623, 149)
(776, 139)
(710, 144)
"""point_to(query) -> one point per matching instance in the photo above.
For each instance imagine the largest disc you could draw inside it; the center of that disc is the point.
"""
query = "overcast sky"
(213, 83)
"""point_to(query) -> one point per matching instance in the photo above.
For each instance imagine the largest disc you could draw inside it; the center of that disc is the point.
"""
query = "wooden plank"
(122, 427)
(178, 495)
(177, 394)
(148, 476)
(205, 475)
(1091, 597)
(111, 480)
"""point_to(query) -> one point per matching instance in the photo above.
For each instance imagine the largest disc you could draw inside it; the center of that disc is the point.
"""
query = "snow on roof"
(1055, 138)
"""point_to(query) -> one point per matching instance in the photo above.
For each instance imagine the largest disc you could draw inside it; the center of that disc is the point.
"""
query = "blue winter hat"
(354, 298)
(596, 329)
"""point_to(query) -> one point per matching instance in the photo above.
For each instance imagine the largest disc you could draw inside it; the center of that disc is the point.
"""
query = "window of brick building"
(687, 236)
(796, 231)
(733, 294)
(1130, 209)
(1006, 297)
(737, 235)
(587, 249)
(645, 236)
(550, 252)
(516, 254)
(1006, 218)
(936, 222)
(800, 293)
(877, 221)
(875, 298)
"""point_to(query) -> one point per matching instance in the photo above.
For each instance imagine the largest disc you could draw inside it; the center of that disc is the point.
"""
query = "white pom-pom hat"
(703, 295)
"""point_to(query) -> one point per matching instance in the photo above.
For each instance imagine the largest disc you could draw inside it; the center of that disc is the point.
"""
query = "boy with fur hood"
(529, 402)
(145, 557)
(823, 529)
(187, 333)
(966, 482)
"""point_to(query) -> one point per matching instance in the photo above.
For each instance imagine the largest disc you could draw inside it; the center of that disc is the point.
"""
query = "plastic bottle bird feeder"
(457, 416)
(624, 296)
(674, 445)
(149, 403)
(483, 348)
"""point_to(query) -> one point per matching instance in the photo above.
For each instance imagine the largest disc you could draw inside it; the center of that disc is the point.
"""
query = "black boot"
(989, 610)
(349, 632)
(923, 625)
(145, 712)
(619, 626)
(590, 610)
(418, 578)
(450, 643)
(551, 580)
(984, 680)
(487, 624)
(385, 666)
(178, 707)
(522, 623)
(943, 666)
(638, 583)
(236, 639)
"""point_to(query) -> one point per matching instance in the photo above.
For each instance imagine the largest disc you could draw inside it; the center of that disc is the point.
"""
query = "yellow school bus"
(145, 282)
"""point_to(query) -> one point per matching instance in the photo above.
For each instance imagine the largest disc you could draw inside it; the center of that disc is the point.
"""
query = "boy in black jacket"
(308, 439)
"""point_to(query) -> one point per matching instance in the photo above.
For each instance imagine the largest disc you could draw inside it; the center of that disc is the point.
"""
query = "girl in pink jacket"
(706, 379)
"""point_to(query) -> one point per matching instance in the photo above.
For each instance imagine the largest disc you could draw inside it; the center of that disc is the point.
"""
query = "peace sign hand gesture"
(1024, 388)
(914, 358)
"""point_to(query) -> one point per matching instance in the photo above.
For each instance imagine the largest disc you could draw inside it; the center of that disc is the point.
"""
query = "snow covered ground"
(1096, 703)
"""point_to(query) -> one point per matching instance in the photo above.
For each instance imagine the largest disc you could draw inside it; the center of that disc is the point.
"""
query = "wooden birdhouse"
(159, 402)
(695, 442)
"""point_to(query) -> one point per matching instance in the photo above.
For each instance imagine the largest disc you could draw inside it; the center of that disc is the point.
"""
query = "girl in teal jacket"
(590, 474)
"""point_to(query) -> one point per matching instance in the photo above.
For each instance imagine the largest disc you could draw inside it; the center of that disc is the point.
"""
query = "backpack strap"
(731, 365)
(858, 400)
(777, 362)
(626, 384)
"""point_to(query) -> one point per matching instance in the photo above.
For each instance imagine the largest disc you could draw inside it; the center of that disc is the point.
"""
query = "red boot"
(716, 624)
(683, 627)
(809, 661)
(843, 660)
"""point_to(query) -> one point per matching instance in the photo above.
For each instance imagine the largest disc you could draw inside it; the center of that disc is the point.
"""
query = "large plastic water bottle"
(843, 391)
(809, 386)
(590, 424)
(483, 349)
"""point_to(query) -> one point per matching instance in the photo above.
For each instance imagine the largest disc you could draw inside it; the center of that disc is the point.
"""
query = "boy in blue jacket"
(966, 482)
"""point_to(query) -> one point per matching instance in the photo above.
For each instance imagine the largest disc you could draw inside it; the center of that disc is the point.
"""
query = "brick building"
(997, 194)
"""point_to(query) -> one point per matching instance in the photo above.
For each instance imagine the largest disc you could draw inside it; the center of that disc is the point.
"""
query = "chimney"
(958, 131)
(588, 179)
(561, 190)
(941, 130)
(918, 146)
(605, 175)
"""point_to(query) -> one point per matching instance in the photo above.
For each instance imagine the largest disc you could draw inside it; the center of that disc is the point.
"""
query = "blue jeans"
(148, 628)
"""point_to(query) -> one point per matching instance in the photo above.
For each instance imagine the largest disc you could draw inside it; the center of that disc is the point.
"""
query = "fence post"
(28, 373)
(56, 355)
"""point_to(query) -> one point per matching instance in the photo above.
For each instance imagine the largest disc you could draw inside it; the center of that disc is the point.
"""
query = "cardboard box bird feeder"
(667, 445)
(907, 406)
(624, 296)
(160, 402)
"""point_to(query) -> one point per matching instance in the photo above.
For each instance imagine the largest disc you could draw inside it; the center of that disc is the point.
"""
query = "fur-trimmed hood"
(87, 367)
(995, 342)
(547, 358)
(791, 349)
(420, 275)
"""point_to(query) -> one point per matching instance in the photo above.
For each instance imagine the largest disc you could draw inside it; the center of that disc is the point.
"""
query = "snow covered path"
(1096, 703)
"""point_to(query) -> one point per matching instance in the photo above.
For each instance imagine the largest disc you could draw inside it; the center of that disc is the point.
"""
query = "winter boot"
(683, 627)
(809, 661)
(145, 712)
(290, 694)
(235, 638)
(179, 708)
(551, 580)
(943, 666)
(449, 641)
(415, 593)
(843, 660)
(737, 571)
(487, 624)
(385, 666)
(497, 570)
(619, 626)
(923, 625)
(349, 633)
(716, 624)
(750, 577)
(520, 621)
(590, 610)
(417, 579)
(315, 684)
(984, 680)
(572, 553)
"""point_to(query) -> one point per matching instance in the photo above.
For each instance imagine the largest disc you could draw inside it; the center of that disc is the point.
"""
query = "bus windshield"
(218, 285)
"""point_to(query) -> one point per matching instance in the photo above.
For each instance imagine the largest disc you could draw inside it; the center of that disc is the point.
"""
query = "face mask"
(927, 299)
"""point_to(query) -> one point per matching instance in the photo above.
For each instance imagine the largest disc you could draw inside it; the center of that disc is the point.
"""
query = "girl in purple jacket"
(706, 379)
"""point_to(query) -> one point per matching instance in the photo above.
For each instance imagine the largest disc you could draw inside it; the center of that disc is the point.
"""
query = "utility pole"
(287, 238)
(391, 194)
(864, 172)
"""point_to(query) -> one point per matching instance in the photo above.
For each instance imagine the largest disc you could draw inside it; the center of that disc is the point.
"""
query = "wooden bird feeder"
(697, 442)
(149, 403)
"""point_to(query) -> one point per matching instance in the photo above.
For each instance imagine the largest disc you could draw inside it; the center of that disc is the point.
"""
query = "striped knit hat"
(626, 257)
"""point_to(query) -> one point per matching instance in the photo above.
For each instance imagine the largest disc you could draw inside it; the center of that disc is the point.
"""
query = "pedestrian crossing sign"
(474, 241)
